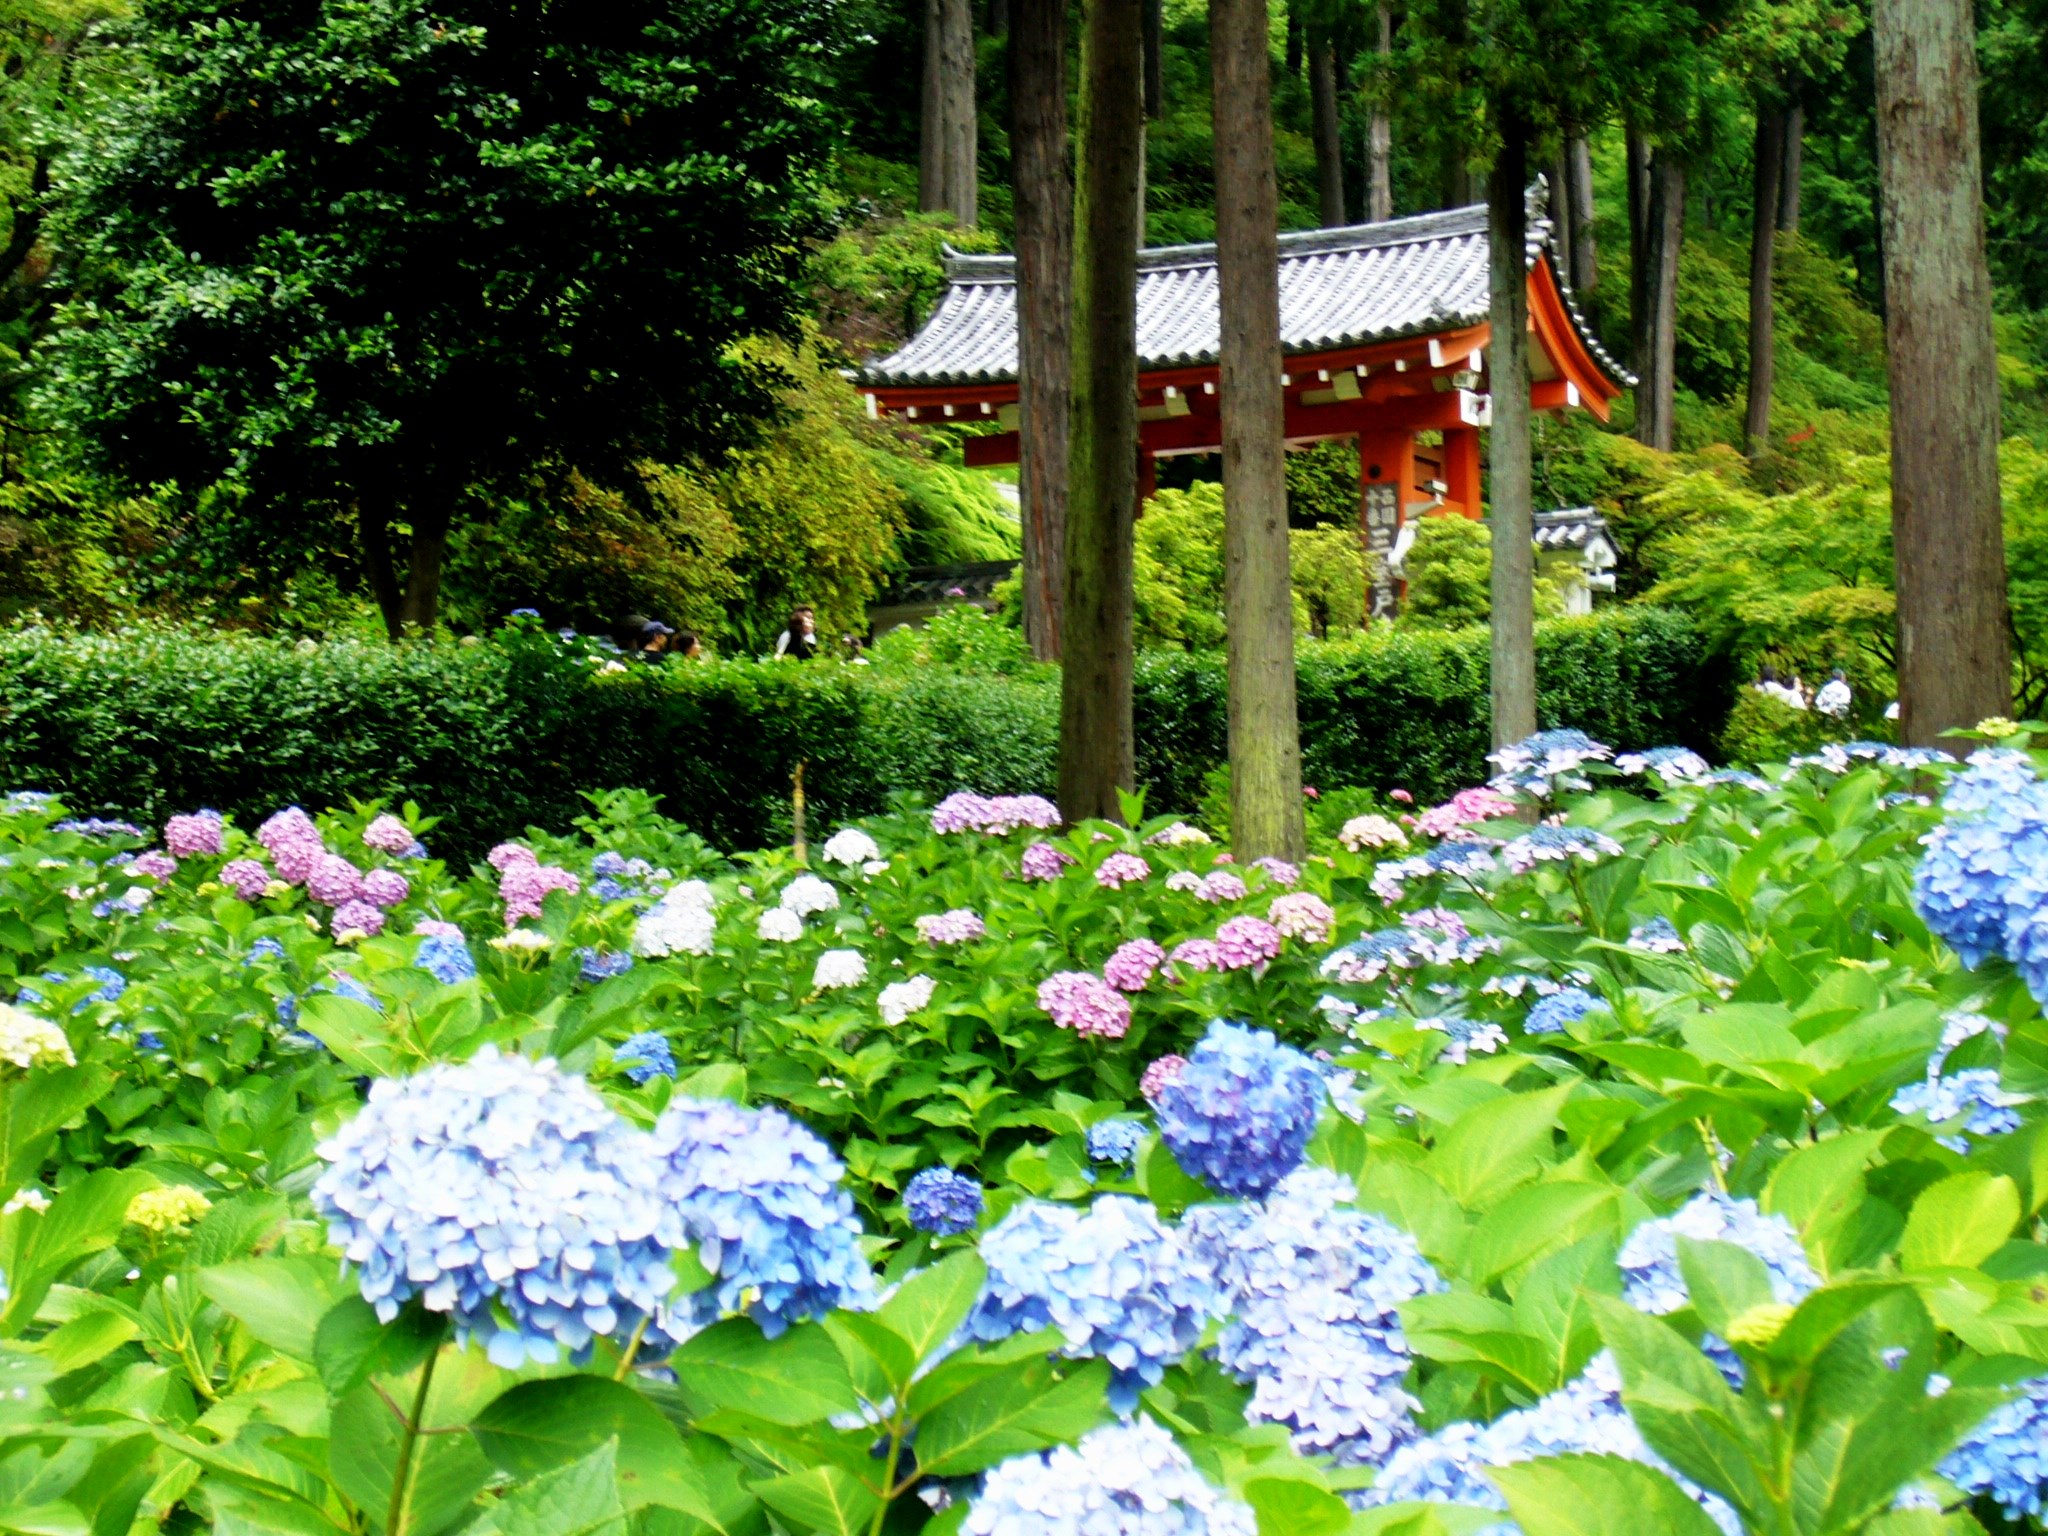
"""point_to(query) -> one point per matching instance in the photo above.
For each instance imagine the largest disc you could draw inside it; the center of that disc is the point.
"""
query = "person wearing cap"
(645, 639)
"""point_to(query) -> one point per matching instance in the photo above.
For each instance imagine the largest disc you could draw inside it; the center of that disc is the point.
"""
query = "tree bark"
(1510, 506)
(1379, 171)
(1638, 247)
(1768, 178)
(373, 538)
(1097, 747)
(1043, 204)
(1948, 543)
(1578, 165)
(1155, 58)
(424, 562)
(1664, 231)
(1265, 736)
(1294, 35)
(947, 148)
(1561, 226)
(1795, 162)
(1325, 121)
(998, 18)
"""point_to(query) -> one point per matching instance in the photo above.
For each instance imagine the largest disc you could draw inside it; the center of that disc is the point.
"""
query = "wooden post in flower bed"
(796, 814)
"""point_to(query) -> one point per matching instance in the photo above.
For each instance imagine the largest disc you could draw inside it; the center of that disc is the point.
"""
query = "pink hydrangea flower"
(194, 836)
(153, 865)
(387, 834)
(1167, 1069)
(245, 877)
(1042, 861)
(432, 927)
(961, 812)
(959, 926)
(293, 843)
(1463, 809)
(1196, 955)
(1220, 886)
(506, 855)
(1133, 965)
(1007, 813)
(524, 885)
(1302, 915)
(1085, 1003)
(1280, 872)
(385, 888)
(1439, 920)
(1243, 942)
(356, 917)
(1406, 797)
(334, 881)
(1120, 870)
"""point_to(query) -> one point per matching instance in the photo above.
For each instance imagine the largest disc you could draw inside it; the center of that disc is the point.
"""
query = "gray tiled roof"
(1338, 288)
(1568, 528)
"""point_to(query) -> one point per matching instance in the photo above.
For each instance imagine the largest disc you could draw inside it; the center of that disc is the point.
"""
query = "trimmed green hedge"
(495, 737)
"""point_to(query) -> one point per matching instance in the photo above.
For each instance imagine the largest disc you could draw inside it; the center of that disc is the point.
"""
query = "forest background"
(1779, 547)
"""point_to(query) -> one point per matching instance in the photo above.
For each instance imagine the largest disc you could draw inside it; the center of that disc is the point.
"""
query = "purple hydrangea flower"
(1196, 955)
(1042, 861)
(293, 843)
(1085, 1003)
(1240, 1115)
(333, 880)
(387, 834)
(154, 865)
(357, 917)
(194, 836)
(959, 926)
(384, 888)
(1243, 942)
(245, 877)
(1120, 870)
(1133, 965)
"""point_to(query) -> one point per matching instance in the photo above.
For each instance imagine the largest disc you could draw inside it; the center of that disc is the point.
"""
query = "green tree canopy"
(374, 254)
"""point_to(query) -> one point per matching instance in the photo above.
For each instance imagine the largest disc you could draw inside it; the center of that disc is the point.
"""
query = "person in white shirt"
(1834, 697)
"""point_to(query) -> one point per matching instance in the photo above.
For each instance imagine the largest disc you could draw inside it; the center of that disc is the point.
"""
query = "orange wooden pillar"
(1386, 466)
(1461, 468)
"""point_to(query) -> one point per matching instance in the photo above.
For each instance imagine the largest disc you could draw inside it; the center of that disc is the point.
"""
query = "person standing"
(1834, 697)
(800, 639)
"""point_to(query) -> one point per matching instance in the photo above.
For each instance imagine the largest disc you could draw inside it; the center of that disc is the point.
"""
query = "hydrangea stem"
(401, 1477)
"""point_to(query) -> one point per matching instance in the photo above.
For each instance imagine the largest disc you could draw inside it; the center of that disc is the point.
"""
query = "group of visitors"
(1832, 698)
(640, 638)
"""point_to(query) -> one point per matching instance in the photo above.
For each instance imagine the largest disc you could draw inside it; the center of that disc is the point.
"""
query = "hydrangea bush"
(1623, 1135)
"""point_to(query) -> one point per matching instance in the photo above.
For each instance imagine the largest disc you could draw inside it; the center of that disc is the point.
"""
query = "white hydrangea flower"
(690, 894)
(900, 999)
(874, 866)
(521, 938)
(850, 846)
(28, 1198)
(674, 930)
(779, 925)
(807, 894)
(839, 968)
(28, 1041)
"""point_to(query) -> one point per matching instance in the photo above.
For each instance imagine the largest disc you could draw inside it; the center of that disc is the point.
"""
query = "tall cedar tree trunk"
(1763, 237)
(947, 150)
(1043, 201)
(1795, 164)
(1663, 232)
(1293, 39)
(998, 18)
(1265, 737)
(1560, 208)
(409, 605)
(1948, 546)
(1379, 170)
(1155, 58)
(1510, 506)
(1325, 122)
(1097, 750)
(1638, 172)
(1578, 170)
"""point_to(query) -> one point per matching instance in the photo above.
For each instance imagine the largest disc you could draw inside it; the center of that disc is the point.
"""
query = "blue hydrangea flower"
(1461, 861)
(602, 965)
(1312, 1287)
(1583, 1417)
(1654, 1283)
(1120, 1480)
(111, 985)
(1972, 1097)
(504, 1193)
(1659, 936)
(1557, 845)
(1545, 763)
(94, 826)
(1112, 1279)
(645, 1056)
(446, 959)
(1992, 777)
(1241, 1114)
(1565, 1006)
(1675, 765)
(1739, 778)
(1972, 882)
(942, 1202)
(263, 949)
(2007, 1455)
(1115, 1141)
(760, 1198)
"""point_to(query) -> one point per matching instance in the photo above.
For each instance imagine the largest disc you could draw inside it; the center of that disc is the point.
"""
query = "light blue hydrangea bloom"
(1583, 1417)
(1974, 879)
(1675, 765)
(1115, 1141)
(505, 1193)
(263, 949)
(1991, 778)
(1311, 1288)
(1565, 1006)
(445, 959)
(645, 1056)
(2007, 1455)
(1547, 762)
(1240, 1116)
(601, 965)
(111, 985)
(1972, 1097)
(1120, 1480)
(1112, 1279)
(759, 1197)
(942, 1202)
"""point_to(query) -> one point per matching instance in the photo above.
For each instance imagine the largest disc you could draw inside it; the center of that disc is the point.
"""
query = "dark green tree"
(381, 255)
